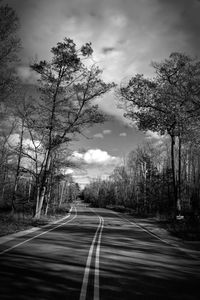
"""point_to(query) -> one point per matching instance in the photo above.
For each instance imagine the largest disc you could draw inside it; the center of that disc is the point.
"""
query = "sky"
(126, 36)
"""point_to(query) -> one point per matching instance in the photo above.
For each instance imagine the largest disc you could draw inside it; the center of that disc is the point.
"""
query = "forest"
(38, 122)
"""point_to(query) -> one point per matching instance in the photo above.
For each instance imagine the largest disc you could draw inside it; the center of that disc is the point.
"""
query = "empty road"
(95, 254)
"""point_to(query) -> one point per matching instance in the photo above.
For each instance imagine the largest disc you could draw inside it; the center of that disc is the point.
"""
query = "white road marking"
(144, 229)
(7, 238)
(59, 220)
(96, 278)
(34, 237)
(88, 263)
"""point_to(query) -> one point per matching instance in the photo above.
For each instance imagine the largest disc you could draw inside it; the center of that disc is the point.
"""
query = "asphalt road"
(95, 254)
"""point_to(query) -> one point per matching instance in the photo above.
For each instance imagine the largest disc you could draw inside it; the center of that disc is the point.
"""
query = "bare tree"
(67, 88)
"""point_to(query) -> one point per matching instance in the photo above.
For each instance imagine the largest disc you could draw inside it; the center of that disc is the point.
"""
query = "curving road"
(95, 254)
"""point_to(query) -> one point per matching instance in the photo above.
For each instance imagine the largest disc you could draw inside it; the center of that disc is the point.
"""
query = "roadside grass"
(11, 224)
(22, 221)
(187, 229)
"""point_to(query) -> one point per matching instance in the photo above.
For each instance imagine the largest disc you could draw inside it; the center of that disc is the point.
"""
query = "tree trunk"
(62, 193)
(48, 197)
(39, 205)
(179, 173)
(18, 167)
(43, 187)
(5, 175)
(173, 173)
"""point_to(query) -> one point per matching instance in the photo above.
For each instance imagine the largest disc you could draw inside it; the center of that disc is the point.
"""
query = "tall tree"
(166, 103)
(67, 88)
(9, 47)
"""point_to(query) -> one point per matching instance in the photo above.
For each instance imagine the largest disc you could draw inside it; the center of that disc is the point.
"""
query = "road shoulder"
(12, 236)
(151, 225)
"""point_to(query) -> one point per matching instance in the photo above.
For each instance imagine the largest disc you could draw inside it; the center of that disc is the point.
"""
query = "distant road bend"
(95, 254)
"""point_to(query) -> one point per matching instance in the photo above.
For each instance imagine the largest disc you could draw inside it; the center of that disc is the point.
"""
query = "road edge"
(9, 237)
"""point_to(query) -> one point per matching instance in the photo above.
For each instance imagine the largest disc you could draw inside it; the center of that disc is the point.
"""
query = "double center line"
(96, 240)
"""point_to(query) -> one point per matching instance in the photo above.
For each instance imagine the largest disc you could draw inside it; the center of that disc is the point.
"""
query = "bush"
(63, 209)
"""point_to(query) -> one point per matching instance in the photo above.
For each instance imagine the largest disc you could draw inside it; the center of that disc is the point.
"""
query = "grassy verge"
(14, 223)
(188, 229)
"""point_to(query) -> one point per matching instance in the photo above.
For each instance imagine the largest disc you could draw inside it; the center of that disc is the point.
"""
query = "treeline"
(144, 183)
(40, 119)
(162, 180)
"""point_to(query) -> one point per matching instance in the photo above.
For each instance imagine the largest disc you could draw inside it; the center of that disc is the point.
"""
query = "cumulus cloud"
(95, 156)
(27, 75)
(14, 139)
(69, 171)
(107, 131)
(156, 139)
(101, 135)
(98, 136)
(29, 144)
(152, 135)
(123, 134)
(96, 163)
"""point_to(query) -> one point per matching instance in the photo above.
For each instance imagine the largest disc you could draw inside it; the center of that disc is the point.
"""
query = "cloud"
(69, 171)
(109, 104)
(98, 156)
(107, 131)
(28, 144)
(126, 35)
(77, 156)
(152, 135)
(98, 136)
(156, 139)
(95, 157)
(14, 139)
(82, 180)
(27, 75)
(95, 163)
(123, 134)
(107, 50)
